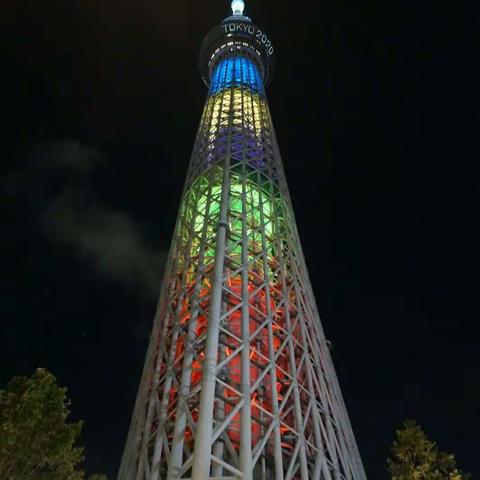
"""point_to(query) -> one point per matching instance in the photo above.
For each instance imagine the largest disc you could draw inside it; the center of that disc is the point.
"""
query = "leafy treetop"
(36, 441)
(415, 457)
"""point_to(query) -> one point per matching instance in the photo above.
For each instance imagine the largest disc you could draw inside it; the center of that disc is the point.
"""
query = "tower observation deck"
(238, 382)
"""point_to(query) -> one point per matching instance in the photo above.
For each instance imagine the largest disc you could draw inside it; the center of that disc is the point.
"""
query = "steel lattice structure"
(238, 381)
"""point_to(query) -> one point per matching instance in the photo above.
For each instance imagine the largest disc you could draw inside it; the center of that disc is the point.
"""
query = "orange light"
(258, 311)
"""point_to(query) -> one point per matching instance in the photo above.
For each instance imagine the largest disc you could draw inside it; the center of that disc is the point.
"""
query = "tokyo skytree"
(238, 381)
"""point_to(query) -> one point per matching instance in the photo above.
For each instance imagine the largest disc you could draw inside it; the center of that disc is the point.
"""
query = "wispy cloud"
(68, 154)
(111, 240)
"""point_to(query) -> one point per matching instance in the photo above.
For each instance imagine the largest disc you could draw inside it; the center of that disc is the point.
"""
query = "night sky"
(375, 105)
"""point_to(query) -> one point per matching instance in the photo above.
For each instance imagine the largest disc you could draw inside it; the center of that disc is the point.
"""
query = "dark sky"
(376, 110)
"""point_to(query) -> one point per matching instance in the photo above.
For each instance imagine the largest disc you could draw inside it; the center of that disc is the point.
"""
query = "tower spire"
(237, 7)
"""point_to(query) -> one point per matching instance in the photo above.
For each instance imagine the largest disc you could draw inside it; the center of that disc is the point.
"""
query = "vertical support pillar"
(246, 411)
(219, 447)
(203, 434)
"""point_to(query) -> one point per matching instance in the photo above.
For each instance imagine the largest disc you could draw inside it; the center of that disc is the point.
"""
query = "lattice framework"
(238, 381)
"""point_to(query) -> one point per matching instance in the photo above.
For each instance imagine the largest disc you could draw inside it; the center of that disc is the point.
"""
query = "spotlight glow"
(238, 7)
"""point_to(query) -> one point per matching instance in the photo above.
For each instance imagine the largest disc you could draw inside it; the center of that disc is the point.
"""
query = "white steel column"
(203, 436)
(246, 412)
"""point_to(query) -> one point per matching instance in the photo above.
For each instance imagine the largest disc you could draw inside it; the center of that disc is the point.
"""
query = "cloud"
(68, 154)
(111, 240)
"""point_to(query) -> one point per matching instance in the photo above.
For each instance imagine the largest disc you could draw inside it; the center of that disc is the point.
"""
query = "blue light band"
(236, 72)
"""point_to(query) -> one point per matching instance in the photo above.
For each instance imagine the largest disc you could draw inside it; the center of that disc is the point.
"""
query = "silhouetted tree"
(36, 441)
(415, 457)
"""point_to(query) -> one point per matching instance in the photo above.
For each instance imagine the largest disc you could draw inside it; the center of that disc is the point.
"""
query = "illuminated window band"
(251, 105)
(235, 117)
(236, 72)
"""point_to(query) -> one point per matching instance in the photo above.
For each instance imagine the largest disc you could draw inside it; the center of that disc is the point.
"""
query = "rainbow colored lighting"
(236, 113)
(238, 382)
(201, 208)
(233, 119)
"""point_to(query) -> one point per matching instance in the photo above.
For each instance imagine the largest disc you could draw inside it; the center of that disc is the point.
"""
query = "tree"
(36, 441)
(415, 457)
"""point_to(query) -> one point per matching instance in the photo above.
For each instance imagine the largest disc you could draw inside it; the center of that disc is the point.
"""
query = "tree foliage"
(415, 457)
(36, 441)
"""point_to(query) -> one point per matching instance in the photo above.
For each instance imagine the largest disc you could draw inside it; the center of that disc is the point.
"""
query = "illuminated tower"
(238, 381)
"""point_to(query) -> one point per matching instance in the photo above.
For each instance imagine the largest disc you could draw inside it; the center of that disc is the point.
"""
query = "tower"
(238, 381)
